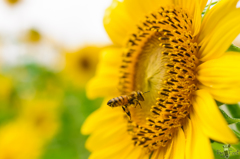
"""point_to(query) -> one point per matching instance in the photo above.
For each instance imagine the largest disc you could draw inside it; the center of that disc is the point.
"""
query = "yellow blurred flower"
(33, 36)
(166, 48)
(12, 2)
(19, 141)
(42, 115)
(80, 65)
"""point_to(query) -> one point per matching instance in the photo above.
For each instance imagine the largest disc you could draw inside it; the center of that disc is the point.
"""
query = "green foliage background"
(75, 107)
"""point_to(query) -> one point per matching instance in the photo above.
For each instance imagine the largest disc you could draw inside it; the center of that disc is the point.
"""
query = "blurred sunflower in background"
(80, 65)
(12, 2)
(19, 141)
(42, 115)
(184, 61)
(33, 36)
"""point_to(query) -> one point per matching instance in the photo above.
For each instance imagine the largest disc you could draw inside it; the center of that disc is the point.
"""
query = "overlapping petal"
(117, 22)
(114, 151)
(214, 16)
(135, 153)
(101, 117)
(207, 116)
(202, 4)
(200, 141)
(121, 19)
(105, 82)
(218, 32)
(187, 127)
(178, 151)
(224, 95)
(221, 73)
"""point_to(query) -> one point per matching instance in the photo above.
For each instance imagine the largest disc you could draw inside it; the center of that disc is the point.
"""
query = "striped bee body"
(127, 100)
(118, 101)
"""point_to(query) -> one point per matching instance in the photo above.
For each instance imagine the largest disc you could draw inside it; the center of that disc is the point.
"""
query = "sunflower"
(42, 115)
(19, 141)
(166, 48)
(80, 64)
(33, 36)
(12, 2)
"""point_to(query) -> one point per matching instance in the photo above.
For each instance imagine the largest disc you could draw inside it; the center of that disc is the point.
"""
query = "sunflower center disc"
(160, 58)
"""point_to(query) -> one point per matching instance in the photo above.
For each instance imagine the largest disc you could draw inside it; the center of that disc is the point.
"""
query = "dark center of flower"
(160, 58)
(84, 63)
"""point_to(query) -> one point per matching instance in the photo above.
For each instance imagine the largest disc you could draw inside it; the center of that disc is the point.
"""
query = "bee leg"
(125, 109)
(139, 104)
(136, 102)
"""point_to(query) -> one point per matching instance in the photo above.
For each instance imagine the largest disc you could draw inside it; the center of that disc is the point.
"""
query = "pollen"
(161, 57)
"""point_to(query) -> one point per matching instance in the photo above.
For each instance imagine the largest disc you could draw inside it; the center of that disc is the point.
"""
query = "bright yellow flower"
(33, 36)
(42, 115)
(19, 141)
(12, 2)
(166, 48)
(80, 65)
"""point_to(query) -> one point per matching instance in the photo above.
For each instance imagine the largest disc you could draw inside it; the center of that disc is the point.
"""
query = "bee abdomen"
(125, 99)
(118, 101)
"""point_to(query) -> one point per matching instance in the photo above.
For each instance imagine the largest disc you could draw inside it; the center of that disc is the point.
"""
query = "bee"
(127, 100)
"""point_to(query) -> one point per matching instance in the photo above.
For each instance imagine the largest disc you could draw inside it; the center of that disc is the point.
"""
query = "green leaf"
(206, 8)
(219, 103)
(234, 48)
(229, 119)
(234, 110)
(219, 151)
(234, 157)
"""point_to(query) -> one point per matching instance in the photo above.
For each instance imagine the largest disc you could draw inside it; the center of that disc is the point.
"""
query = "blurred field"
(46, 59)
(43, 101)
(38, 101)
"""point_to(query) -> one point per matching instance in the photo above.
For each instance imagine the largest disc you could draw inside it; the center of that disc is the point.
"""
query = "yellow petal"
(197, 18)
(178, 151)
(159, 153)
(145, 155)
(221, 73)
(105, 82)
(135, 153)
(187, 127)
(219, 30)
(202, 4)
(224, 95)
(215, 15)
(114, 151)
(122, 17)
(117, 23)
(200, 145)
(209, 118)
(169, 151)
(108, 134)
(100, 117)
(163, 152)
